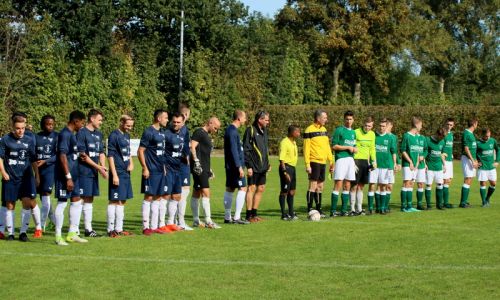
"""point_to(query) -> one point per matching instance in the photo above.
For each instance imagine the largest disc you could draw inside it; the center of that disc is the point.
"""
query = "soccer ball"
(314, 215)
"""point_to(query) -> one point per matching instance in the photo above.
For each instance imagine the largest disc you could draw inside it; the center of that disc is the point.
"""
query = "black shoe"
(449, 205)
(11, 237)
(23, 237)
(343, 214)
(361, 213)
(352, 213)
(321, 213)
(285, 218)
(91, 233)
(334, 214)
(241, 222)
(419, 207)
(440, 207)
(228, 221)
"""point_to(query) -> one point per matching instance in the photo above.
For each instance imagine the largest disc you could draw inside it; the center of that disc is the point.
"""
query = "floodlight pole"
(181, 55)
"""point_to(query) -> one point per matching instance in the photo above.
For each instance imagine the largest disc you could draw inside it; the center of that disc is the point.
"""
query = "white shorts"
(379, 175)
(487, 175)
(449, 170)
(436, 176)
(467, 167)
(390, 174)
(345, 169)
(417, 175)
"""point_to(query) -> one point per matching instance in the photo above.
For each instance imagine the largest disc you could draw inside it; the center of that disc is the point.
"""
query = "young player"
(234, 162)
(344, 146)
(201, 147)
(385, 148)
(288, 156)
(397, 166)
(256, 152)
(119, 185)
(436, 165)
(67, 180)
(151, 154)
(17, 155)
(421, 177)
(317, 152)
(448, 171)
(488, 158)
(92, 161)
(46, 146)
(412, 150)
(469, 160)
(185, 169)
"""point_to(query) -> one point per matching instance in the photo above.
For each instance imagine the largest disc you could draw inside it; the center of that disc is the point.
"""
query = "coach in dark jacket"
(256, 149)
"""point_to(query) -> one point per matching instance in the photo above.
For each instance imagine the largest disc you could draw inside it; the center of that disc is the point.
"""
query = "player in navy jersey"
(151, 155)
(234, 162)
(46, 145)
(67, 180)
(120, 166)
(92, 161)
(185, 169)
(17, 159)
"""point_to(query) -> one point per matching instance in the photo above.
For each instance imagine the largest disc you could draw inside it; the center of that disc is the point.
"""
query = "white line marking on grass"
(328, 265)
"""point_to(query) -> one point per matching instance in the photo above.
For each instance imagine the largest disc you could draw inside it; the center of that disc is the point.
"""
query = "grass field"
(452, 254)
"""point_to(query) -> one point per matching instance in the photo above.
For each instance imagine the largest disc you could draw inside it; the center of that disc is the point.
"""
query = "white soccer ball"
(314, 215)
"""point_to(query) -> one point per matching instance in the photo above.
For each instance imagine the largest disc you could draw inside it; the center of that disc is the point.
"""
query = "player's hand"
(242, 174)
(374, 165)
(70, 185)
(332, 167)
(40, 163)
(356, 169)
(83, 156)
(269, 169)
(475, 164)
(444, 170)
(412, 167)
(211, 174)
(104, 172)
(308, 170)
(5, 176)
(116, 181)
(250, 172)
(145, 173)
(353, 150)
(287, 177)
(495, 164)
(197, 169)
(37, 181)
(130, 168)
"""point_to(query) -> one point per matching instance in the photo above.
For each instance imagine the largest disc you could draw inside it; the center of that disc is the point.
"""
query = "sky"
(266, 7)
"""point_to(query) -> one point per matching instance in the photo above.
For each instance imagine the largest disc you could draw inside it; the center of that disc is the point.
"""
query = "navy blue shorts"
(185, 175)
(120, 192)
(46, 180)
(61, 191)
(14, 190)
(89, 186)
(174, 182)
(233, 179)
(155, 185)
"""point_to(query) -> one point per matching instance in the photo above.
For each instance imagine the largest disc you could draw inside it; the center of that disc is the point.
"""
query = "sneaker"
(420, 208)
(449, 205)
(158, 231)
(213, 226)
(251, 220)
(37, 234)
(23, 237)
(229, 221)
(174, 227)
(165, 229)
(199, 224)
(241, 222)
(2, 236)
(352, 213)
(414, 210)
(333, 214)
(343, 214)
(186, 227)
(362, 213)
(406, 210)
(147, 232)
(440, 207)
(113, 234)
(124, 233)
(60, 241)
(74, 238)
(92, 233)
(10, 237)
(321, 213)
(285, 218)
(294, 218)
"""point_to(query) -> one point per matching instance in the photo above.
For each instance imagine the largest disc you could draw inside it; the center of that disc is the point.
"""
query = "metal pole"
(181, 56)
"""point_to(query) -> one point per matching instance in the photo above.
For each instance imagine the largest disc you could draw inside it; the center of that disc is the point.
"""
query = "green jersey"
(487, 153)
(448, 146)
(343, 136)
(385, 148)
(469, 140)
(434, 154)
(395, 141)
(413, 145)
(422, 141)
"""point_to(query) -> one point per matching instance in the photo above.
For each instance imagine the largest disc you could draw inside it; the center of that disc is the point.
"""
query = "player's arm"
(111, 160)
(34, 165)
(495, 153)
(5, 176)
(329, 156)
(373, 152)
(194, 144)
(336, 141)
(247, 149)
(307, 151)
(142, 161)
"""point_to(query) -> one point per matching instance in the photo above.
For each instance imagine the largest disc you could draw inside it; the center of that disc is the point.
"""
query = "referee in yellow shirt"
(288, 160)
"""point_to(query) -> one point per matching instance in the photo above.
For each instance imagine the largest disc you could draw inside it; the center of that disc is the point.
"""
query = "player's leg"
(491, 189)
(420, 179)
(251, 189)
(259, 191)
(447, 176)
(311, 191)
(439, 189)
(36, 214)
(181, 209)
(10, 217)
(240, 203)
(228, 202)
(3, 212)
(430, 178)
(75, 213)
(371, 192)
(90, 188)
(205, 204)
(111, 218)
(319, 196)
(284, 190)
(468, 171)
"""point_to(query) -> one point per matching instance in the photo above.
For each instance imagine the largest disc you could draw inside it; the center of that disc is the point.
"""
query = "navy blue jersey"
(119, 150)
(233, 148)
(174, 149)
(66, 144)
(184, 134)
(17, 155)
(90, 143)
(46, 146)
(154, 142)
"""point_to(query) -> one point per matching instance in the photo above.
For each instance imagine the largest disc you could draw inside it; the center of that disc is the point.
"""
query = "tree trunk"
(441, 87)
(357, 92)
(335, 84)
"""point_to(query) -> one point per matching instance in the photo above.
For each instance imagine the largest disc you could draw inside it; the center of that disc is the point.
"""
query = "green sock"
(446, 194)
(382, 200)
(491, 190)
(420, 197)
(465, 194)
(403, 198)
(387, 201)
(370, 200)
(335, 200)
(482, 192)
(377, 201)
(439, 197)
(428, 197)
(345, 202)
(409, 198)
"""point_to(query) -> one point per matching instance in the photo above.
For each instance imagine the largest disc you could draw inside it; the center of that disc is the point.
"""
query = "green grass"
(436, 254)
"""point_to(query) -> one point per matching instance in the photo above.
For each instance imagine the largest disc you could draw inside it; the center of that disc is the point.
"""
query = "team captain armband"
(310, 135)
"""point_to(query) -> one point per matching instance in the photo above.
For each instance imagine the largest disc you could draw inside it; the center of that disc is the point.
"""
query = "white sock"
(359, 200)
(155, 211)
(120, 215)
(111, 217)
(205, 203)
(36, 217)
(3, 213)
(163, 211)
(75, 213)
(195, 208)
(181, 209)
(25, 220)
(172, 210)
(59, 216)
(46, 205)
(9, 221)
(87, 216)
(240, 202)
(146, 211)
(228, 202)
(352, 199)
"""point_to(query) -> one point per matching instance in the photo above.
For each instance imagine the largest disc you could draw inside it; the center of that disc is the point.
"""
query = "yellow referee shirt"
(289, 152)
(316, 145)
(365, 142)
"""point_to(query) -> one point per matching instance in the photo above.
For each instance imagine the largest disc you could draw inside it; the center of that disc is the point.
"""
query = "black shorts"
(201, 181)
(233, 179)
(363, 174)
(317, 172)
(257, 179)
(286, 186)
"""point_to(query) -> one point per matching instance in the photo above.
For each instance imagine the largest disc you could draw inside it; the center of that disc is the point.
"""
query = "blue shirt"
(46, 146)
(90, 143)
(119, 150)
(233, 148)
(17, 155)
(174, 149)
(184, 134)
(66, 144)
(154, 142)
